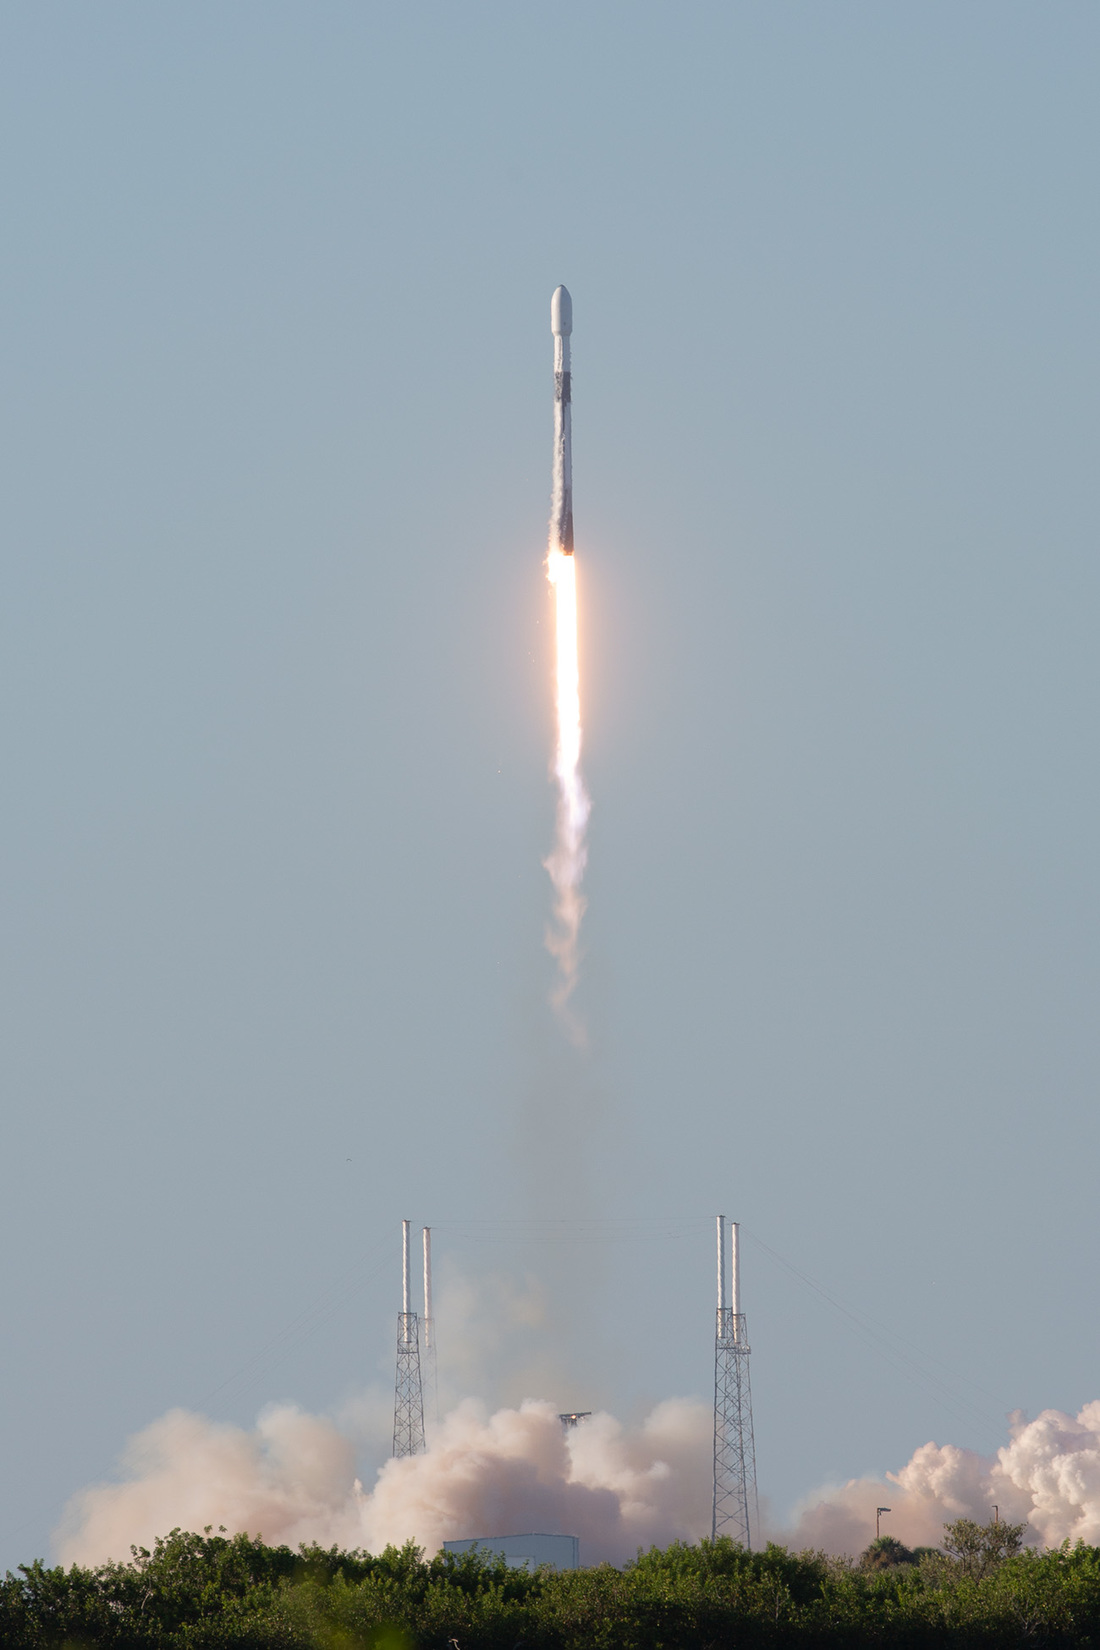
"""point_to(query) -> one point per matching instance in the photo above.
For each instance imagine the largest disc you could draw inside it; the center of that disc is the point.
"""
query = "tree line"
(216, 1592)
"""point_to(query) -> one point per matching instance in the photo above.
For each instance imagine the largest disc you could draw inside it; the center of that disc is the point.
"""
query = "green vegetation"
(206, 1592)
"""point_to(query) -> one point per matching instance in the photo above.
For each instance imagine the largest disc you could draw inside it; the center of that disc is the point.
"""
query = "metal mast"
(408, 1397)
(431, 1372)
(734, 1449)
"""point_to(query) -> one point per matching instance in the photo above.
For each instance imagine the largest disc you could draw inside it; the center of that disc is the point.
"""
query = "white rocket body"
(561, 503)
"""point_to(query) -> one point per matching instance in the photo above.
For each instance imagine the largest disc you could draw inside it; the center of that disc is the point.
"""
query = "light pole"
(878, 1519)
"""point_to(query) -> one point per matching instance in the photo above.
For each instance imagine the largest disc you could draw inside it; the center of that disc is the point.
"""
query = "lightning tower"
(734, 1449)
(408, 1398)
(431, 1369)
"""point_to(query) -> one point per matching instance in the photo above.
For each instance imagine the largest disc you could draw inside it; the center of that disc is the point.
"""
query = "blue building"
(525, 1552)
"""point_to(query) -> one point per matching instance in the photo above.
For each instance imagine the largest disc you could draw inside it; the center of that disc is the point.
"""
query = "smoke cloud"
(1047, 1475)
(292, 1479)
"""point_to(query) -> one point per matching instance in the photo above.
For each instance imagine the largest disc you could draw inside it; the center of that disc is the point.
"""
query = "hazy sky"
(276, 445)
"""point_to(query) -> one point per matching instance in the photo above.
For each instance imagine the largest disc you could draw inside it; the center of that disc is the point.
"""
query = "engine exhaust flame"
(567, 860)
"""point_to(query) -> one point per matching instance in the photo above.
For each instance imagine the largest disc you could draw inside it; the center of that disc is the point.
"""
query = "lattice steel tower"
(734, 1449)
(408, 1397)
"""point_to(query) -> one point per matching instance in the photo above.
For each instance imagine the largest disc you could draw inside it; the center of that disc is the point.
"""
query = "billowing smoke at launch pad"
(292, 1479)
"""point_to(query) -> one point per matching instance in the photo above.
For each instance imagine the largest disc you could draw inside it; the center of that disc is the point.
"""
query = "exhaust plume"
(567, 860)
(292, 1479)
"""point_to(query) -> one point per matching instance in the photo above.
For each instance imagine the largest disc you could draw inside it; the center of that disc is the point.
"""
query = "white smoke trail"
(567, 860)
(1048, 1475)
(292, 1479)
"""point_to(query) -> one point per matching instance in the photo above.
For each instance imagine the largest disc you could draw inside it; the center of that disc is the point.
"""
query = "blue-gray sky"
(276, 722)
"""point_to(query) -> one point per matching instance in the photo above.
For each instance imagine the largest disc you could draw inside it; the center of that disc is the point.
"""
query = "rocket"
(561, 503)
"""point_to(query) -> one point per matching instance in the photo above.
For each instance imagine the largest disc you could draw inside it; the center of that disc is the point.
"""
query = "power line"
(909, 1360)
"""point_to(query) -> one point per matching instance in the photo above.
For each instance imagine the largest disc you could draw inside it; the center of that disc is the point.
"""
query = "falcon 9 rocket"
(567, 860)
(561, 508)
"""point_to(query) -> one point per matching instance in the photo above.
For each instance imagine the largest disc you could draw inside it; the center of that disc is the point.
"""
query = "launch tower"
(734, 1449)
(408, 1398)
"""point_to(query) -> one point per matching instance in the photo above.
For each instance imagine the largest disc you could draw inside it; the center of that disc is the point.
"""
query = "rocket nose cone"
(561, 312)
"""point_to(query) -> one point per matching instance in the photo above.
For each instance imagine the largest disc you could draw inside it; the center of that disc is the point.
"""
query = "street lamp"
(878, 1519)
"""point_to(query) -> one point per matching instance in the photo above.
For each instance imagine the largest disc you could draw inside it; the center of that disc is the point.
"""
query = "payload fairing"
(561, 507)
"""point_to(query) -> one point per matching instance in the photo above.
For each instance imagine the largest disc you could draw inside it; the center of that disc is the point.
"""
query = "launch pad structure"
(734, 1446)
(408, 1396)
(416, 1365)
(734, 1507)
